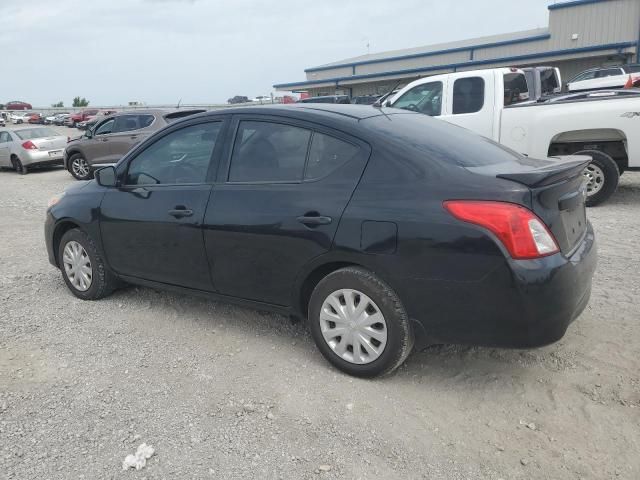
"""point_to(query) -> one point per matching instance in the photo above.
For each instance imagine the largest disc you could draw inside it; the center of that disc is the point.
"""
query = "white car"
(607, 77)
(24, 148)
(19, 117)
(495, 103)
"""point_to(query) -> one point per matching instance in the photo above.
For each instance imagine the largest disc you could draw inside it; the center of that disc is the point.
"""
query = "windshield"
(31, 133)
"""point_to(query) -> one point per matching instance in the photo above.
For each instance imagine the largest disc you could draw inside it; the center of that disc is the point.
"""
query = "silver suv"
(106, 142)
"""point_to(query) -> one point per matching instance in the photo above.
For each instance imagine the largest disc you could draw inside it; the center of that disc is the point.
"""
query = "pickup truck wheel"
(359, 324)
(602, 176)
(79, 167)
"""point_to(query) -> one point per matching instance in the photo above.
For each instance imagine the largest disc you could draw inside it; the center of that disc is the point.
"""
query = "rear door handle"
(180, 212)
(313, 220)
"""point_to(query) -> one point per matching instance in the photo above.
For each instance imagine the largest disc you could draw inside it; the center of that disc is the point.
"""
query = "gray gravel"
(227, 392)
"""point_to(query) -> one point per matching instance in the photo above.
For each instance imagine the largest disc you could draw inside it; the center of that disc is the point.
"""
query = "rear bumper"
(35, 157)
(523, 304)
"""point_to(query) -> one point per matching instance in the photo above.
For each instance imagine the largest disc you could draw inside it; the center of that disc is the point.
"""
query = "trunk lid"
(50, 143)
(558, 193)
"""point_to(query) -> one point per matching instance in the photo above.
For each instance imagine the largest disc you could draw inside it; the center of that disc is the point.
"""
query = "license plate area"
(55, 153)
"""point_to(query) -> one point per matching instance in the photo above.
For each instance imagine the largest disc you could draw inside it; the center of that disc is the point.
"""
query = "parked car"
(2, 122)
(61, 118)
(365, 99)
(495, 103)
(16, 105)
(111, 137)
(90, 122)
(51, 119)
(326, 99)
(25, 148)
(19, 117)
(606, 77)
(75, 118)
(36, 118)
(383, 229)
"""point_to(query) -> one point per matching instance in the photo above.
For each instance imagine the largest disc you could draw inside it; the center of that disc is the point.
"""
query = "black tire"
(400, 337)
(103, 282)
(18, 166)
(78, 176)
(609, 168)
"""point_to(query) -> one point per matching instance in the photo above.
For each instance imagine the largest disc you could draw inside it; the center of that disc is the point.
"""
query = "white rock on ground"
(139, 460)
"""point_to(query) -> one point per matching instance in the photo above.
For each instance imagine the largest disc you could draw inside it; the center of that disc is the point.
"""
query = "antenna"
(179, 101)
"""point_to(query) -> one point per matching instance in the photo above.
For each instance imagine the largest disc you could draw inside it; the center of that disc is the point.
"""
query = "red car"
(36, 118)
(82, 116)
(15, 105)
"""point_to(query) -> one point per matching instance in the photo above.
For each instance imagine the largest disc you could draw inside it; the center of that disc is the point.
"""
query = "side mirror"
(106, 176)
(88, 133)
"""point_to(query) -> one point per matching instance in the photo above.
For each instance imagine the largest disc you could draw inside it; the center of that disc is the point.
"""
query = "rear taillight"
(29, 145)
(523, 234)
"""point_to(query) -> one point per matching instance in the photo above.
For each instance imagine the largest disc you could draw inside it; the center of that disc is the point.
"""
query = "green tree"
(80, 102)
(58, 105)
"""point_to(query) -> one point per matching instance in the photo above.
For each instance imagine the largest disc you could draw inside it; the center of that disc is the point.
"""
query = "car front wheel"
(79, 167)
(359, 324)
(83, 268)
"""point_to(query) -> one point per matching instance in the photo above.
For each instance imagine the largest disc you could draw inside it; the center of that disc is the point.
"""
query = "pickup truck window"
(515, 88)
(425, 98)
(583, 76)
(468, 95)
(609, 72)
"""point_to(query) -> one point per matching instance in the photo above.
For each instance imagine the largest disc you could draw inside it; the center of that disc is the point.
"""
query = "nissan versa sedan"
(383, 228)
(25, 148)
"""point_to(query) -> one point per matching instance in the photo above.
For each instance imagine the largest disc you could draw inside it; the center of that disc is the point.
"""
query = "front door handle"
(180, 212)
(313, 220)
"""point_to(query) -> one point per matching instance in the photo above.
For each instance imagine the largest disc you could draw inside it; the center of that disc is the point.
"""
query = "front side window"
(105, 127)
(327, 154)
(425, 98)
(468, 95)
(516, 89)
(180, 157)
(268, 152)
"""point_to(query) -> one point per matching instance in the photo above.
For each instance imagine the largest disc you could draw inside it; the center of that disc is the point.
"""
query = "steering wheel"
(412, 106)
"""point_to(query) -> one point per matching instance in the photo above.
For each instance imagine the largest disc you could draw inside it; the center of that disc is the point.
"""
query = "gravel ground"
(227, 392)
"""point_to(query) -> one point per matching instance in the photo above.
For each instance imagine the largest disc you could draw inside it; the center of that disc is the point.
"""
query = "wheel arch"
(61, 228)
(613, 142)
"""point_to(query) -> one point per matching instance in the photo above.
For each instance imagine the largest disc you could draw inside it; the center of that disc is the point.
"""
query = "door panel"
(142, 238)
(257, 237)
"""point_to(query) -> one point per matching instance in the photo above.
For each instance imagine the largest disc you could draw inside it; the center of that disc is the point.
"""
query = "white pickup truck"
(495, 103)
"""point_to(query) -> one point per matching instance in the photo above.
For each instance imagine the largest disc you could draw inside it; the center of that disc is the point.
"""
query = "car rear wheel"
(83, 268)
(602, 176)
(18, 166)
(359, 324)
(79, 167)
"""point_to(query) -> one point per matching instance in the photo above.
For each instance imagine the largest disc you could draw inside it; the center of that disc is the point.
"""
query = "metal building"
(581, 34)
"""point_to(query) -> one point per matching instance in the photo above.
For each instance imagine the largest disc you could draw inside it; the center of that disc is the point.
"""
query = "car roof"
(299, 110)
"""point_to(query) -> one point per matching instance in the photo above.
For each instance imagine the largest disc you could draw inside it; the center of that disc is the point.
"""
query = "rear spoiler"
(569, 166)
(182, 113)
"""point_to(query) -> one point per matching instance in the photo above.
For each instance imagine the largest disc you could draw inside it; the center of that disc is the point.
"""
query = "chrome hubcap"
(353, 326)
(77, 266)
(595, 179)
(80, 167)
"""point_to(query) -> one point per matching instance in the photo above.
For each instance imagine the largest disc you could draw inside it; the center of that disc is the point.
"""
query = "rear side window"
(515, 88)
(583, 76)
(609, 72)
(327, 154)
(269, 152)
(180, 157)
(126, 123)
(4, 137)
(468, 95)
(548, 81)
(425, 98)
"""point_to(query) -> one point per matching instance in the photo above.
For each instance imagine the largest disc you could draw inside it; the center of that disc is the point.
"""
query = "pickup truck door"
(470, 102)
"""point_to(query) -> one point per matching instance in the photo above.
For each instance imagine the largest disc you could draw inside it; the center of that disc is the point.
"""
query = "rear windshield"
(31, 133)
(424, 138)
(548, 81)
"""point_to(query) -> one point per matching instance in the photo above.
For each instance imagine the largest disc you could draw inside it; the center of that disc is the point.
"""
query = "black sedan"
(383, 228)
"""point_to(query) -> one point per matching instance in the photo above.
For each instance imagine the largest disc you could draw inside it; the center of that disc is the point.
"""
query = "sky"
(206, 51)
